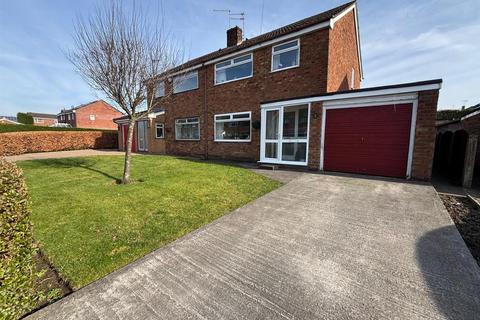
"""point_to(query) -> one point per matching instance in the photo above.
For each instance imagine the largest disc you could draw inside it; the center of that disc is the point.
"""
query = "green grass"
(89, 226)
(30, 127)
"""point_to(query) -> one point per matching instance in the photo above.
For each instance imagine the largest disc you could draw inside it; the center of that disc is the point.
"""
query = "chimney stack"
(234, 36)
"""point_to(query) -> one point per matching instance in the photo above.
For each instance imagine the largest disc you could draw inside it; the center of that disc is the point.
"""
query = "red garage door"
(368, 140)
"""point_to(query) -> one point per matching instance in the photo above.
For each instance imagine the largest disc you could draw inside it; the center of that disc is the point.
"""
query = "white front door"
(284, 134)
(142, 143)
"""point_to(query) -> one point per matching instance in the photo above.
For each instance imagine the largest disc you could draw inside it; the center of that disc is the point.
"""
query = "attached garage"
(382, 131)
(368, 139)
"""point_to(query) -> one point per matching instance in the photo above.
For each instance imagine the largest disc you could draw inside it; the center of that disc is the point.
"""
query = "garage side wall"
(424, 135)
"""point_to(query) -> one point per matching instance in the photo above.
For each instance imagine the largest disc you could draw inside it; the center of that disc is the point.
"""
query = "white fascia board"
(366, 101)
(341, 15)
(357, 31)
(183, 71)
(348, 95)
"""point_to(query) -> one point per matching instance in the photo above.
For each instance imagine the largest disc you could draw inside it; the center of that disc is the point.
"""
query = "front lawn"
(89, 226)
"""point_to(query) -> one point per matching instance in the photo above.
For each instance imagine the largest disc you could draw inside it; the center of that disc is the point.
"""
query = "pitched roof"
(42, 115)
(65, 110)
(293, 27)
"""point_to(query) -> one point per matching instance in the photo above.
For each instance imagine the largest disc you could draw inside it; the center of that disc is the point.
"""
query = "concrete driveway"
(320, 247)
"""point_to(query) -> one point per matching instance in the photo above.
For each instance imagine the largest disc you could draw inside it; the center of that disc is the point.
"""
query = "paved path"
(65, 154)
(320, 247)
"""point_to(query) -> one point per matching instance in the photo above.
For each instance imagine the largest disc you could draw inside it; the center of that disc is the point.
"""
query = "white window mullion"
(280, 133)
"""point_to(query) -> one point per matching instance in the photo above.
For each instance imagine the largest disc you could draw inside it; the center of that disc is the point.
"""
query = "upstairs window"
(92, 117)
(234, 69)
(286, 55)
(187, 129)
(233, 127)
(185, 82)
(160, 91)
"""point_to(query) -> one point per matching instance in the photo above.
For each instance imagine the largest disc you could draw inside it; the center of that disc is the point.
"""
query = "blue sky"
(402, 41)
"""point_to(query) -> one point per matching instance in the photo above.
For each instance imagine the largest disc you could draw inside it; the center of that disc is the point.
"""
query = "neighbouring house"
(292, 97)
(43, 119)
(93, 115)
(457, 156)
(9, 120)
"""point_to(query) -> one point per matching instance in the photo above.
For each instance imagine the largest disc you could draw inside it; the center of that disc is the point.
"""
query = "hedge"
(31, 127)
(17, 250)
(13, 143)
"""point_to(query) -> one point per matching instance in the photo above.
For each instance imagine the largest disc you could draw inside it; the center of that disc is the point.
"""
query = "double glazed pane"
(185, 82)
(272, 125)
(294, 151)
(233, 130)
(285, 55)
(295, 122)
(160, 92)
(285, 59)
(187, 129)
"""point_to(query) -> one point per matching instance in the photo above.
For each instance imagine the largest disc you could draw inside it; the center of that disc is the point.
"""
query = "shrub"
(17, 266)
(24, 118)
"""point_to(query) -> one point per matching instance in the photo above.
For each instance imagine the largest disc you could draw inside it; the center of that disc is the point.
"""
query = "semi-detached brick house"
(94, 115)
(43, 119)
(292, 97)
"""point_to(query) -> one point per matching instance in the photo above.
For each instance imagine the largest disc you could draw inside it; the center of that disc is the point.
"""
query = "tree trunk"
(128, 152)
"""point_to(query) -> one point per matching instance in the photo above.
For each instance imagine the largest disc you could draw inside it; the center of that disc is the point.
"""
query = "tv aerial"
(233, 16)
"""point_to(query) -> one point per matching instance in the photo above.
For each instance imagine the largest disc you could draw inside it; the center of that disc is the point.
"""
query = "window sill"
(238, 79)
(283, 69)
(187, 140)
(234, 141)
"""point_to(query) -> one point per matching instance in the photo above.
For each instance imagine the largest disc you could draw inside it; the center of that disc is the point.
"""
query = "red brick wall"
(315, 135)
(46, 122)
(424, 135)
(343, 55)
(309, 78)
(472, 124)
(104, 115)
(13, 143)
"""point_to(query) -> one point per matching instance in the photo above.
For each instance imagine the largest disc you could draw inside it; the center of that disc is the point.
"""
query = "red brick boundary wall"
(13, 143)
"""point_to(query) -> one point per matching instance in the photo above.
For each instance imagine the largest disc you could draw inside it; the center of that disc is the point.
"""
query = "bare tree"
(121, 53)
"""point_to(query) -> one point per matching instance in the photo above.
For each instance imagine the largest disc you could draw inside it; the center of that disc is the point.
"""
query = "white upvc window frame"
(161, 84)
(92, 116)
(38, 120)
(185, 76)
(180, 122)
(280, 139)
(232, 119)
(159, 125)
(232, 64)
(297, 47)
